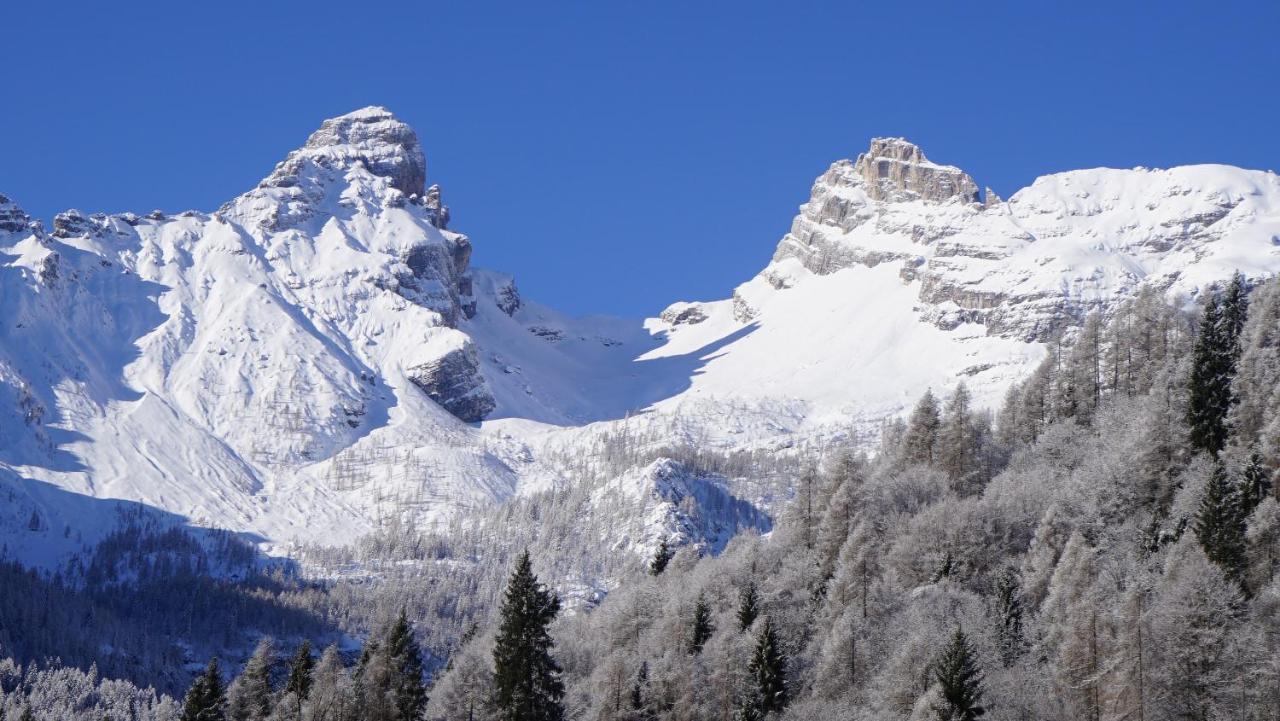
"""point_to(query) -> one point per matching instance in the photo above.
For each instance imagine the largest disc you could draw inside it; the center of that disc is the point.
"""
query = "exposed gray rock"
(683, 314)
(995, 262)
(371, 136)
(551, 335)
(454, 381)
(507, 297)
(990, 199)
(49, 272)
(73, 224)
(436, 209)
(438, 277)
(895, 170)
(12, 218)
(743, 311)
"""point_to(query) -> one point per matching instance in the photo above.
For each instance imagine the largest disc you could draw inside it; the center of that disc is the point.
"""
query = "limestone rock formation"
(894, 170)
(454, 381)
(1069, 244)
(373, 137)
(684, 314)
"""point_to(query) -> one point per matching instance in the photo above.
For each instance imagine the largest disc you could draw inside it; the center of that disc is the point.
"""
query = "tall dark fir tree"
(1213, 364)
(959, 682)
(206, 699)
(526, 679)
(661, 558)
(408, 691)
(768, 674)
(748, 606)
(702, 626)
(1220, 524)
(1009, 626)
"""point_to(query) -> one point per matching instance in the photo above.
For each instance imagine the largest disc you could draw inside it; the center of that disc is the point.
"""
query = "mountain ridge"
(318, 355)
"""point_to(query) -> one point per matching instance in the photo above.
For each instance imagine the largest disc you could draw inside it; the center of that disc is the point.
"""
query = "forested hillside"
(1104, 548)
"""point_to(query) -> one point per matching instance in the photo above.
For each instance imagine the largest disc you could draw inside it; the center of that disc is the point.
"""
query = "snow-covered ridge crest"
(1070, 243)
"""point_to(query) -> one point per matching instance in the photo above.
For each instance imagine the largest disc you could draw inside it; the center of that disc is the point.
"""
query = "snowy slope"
(317, 355)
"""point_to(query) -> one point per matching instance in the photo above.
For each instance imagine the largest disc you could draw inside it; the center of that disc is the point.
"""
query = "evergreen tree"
(526, 679)
(1220, 525)
(206, 700)
(960, 682)
(768, 671)
(1235, 312)
(702, 626)
(748, 606)
(409, 694)
(300, 675)
(389, 675)
(1009, 630)
(1214, 359)
(640, 692)
(661, 558)
(922, 431)
(1203, 410)
(1255, 483)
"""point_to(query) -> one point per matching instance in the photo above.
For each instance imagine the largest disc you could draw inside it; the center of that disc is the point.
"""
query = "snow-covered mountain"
(317, 354)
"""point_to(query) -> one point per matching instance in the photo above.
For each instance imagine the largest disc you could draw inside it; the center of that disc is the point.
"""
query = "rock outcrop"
(372, 137)
(453, 380)
(894, 170)
(12, 218)
(1069, 244)
(684, 313)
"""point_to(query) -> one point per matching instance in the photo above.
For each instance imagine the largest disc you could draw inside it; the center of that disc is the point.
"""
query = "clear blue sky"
(617, 156)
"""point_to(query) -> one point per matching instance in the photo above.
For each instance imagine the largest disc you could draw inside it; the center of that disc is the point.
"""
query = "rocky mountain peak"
(12, 217)
(895, 169)
(371, 136)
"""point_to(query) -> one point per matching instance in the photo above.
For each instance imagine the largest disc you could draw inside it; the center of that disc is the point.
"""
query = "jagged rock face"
(894, 170)
(1069, 244)
(372, 136)
(12, 218)
(436, 208)
(684, 314)
(867, 192)
(454, 381)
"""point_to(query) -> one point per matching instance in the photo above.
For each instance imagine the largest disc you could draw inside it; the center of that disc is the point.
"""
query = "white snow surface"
(250, 368)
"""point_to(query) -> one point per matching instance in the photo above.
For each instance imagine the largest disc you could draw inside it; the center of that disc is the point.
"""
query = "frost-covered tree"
(298, 685)
(922, 431)
(1258, 372)
(331, 694)
(1195, 664)
(956, 450)
(748, 605)
(249, 697)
